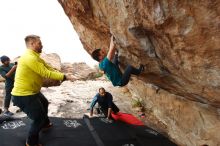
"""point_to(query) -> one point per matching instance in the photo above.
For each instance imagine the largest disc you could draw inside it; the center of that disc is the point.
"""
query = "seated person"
(109, 65)
(105, 102)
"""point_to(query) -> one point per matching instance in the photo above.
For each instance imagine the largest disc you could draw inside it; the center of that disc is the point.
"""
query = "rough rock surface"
(178, 41)
(1, 78)
(72, 99)
(79, 71)
(2, 93)
(194, 123)
(54, 61)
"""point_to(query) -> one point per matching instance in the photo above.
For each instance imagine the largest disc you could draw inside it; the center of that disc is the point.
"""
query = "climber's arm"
(112, 49)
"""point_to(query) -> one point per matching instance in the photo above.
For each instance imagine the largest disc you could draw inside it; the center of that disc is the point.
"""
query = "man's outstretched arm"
(94, 101)
(112, 49)
(109, 113)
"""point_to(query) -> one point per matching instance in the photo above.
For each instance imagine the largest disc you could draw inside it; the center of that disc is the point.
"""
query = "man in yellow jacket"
(31, 70)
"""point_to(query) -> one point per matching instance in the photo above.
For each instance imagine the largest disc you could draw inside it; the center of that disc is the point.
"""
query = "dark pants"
(104, 109)
(7, 99)
(128, 71)
(36, 108)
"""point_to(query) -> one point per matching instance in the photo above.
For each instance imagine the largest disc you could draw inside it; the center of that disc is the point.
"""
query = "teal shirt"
(9, 81)
(112, 71)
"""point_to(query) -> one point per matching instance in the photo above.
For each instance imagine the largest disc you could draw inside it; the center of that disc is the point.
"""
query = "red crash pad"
(127, 118)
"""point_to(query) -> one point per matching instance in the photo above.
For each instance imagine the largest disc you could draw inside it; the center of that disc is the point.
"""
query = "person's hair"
(101, 89)
(95, 54)
(4, 58)
(30, 39)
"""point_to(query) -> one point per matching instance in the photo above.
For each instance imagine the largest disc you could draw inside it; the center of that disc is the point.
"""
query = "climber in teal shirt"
(112, 71)
(110, 65)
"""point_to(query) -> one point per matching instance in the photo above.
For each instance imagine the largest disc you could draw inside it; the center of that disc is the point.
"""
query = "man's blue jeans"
(128, 71)
(36, 108)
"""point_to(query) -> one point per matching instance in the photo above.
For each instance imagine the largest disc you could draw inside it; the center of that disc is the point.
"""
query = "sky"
(46, 18)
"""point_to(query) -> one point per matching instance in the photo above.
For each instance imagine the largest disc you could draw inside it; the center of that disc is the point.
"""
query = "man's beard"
(40, 50)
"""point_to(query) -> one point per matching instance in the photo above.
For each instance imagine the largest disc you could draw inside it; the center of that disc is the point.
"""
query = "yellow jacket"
(30, 72)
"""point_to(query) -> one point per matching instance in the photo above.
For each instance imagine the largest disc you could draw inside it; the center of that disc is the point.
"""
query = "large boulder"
(1, 78)
(2, 93)
(2, 87)
(54, 61)
(178, 41)
(79, 71)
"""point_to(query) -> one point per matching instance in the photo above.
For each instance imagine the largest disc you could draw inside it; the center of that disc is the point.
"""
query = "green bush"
(137, 103)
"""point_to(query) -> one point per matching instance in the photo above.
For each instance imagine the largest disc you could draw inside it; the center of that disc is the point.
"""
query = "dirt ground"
(72, 99)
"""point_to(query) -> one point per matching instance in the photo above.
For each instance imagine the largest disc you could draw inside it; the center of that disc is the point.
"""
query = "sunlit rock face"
(78, 71)
(1, 78)
(54, 61)
(2, 94)
(178, 41)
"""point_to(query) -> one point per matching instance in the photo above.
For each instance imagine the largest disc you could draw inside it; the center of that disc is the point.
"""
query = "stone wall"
(186, 122)
(178, 41)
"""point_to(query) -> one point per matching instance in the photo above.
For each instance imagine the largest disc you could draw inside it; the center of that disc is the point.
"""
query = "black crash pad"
(122, 134)
(83, 132)
(4, 118)
(65, 132)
